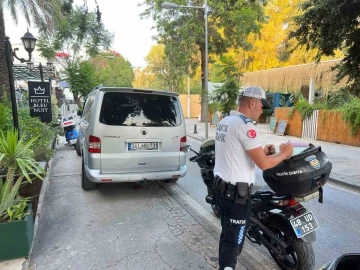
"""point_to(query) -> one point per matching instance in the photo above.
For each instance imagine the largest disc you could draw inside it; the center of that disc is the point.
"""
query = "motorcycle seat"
(260, 188)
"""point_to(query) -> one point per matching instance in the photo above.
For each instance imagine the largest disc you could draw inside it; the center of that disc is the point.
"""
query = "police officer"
(237, 150)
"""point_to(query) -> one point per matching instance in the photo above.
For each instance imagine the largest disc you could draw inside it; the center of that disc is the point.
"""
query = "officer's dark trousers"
(233, 222)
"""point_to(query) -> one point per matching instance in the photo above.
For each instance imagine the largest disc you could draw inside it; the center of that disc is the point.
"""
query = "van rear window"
(138, 109)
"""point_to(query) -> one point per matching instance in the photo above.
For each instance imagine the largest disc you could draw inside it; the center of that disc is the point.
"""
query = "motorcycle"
(70, 132)
(278, 220)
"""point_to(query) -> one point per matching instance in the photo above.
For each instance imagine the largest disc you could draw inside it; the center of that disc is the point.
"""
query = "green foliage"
(283, 102)
(5, 117)
(305, 109)
(31, 127)
(351, 114)
(16, 157)
(329, 25)
(196, 89)
(112, 69)
(226, 68)
(18, 211)
(81, 77)
(8, 196)
(78, 31)
(182, 30)
(337, 99)
(226, 95)
(55, 111)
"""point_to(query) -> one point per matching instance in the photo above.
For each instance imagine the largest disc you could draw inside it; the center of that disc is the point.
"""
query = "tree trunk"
(77, 100)
(4, 76)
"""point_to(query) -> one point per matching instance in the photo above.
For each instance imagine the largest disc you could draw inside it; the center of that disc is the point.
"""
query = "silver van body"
(129, 135)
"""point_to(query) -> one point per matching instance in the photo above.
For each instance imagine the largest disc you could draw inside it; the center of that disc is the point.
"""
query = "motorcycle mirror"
(187, 148)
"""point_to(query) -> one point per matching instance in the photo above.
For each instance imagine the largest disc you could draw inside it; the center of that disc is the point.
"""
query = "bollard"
(195, 130)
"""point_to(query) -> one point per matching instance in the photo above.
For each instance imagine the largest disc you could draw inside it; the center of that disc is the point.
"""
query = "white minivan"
(130, 135)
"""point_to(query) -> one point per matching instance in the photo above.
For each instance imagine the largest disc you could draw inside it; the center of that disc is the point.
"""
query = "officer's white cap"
(256, 92)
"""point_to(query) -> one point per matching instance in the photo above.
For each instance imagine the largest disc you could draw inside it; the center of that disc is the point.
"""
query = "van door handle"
(142, 163)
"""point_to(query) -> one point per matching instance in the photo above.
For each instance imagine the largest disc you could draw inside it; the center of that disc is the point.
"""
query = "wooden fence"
(327, 126)
(310, 126)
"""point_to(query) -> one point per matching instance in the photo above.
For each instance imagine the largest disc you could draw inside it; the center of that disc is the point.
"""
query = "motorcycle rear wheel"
(299, 255)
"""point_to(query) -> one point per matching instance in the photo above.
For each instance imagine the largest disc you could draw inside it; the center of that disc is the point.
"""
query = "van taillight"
(182, 143)
(94, 144)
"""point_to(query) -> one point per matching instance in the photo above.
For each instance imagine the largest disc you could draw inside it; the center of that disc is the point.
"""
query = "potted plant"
(16, 223)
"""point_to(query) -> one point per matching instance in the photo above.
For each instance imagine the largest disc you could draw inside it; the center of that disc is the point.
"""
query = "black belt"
(238, 193)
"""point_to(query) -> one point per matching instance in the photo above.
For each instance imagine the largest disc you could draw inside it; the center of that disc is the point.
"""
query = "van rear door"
(140, 131)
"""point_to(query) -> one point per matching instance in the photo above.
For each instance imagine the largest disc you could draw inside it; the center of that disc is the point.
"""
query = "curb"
(247, 258)
(44, 186)
(344, 184)
(195, 137)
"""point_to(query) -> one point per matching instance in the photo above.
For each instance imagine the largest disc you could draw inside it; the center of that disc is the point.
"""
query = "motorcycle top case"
(300, 175)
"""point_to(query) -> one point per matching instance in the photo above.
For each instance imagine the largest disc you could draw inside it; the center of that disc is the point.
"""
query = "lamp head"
(30, 65)
(168, 5)
(29, 42)
(49, 65)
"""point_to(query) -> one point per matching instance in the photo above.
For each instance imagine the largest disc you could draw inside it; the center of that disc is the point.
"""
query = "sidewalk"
(345, 159)
(117, 226)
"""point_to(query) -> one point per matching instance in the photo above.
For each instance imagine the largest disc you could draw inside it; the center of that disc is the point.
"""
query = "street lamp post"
(168, 5)
(29, 42)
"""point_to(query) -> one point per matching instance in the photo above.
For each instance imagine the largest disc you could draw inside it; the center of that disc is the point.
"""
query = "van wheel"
(86, 184)
(172, 180)
(77, 147)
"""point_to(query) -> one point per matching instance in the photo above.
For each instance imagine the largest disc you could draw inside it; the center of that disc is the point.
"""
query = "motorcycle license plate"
(304, 224)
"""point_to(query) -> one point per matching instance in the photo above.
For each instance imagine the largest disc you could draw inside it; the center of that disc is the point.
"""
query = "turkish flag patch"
(251, 133)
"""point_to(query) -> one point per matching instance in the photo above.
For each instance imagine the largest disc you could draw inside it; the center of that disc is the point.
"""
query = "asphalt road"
(338, 217)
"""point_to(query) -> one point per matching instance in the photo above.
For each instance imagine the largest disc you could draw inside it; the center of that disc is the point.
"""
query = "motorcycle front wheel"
(299, 255)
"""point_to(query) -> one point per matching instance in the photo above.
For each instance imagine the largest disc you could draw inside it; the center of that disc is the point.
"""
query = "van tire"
(77, 147)
(86, 184)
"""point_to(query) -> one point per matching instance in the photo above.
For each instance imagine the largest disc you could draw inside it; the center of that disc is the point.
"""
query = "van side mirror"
(79, 113)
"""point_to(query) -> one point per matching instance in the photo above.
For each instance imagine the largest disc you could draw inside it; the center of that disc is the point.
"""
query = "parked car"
(130, 135)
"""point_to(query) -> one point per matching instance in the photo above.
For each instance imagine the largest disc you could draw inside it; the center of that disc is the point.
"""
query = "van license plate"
(143, 146)
(304, 224)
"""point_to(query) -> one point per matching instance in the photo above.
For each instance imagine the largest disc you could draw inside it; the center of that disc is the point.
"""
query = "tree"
(226, 95)
(142, 78)
(164, 75)
(112, 69)
(77, 37)
(182, 30)
(40, 12)
(329, 25)
(81, 77)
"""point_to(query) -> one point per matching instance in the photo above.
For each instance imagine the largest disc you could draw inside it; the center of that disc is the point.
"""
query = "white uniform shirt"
(234, 135)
